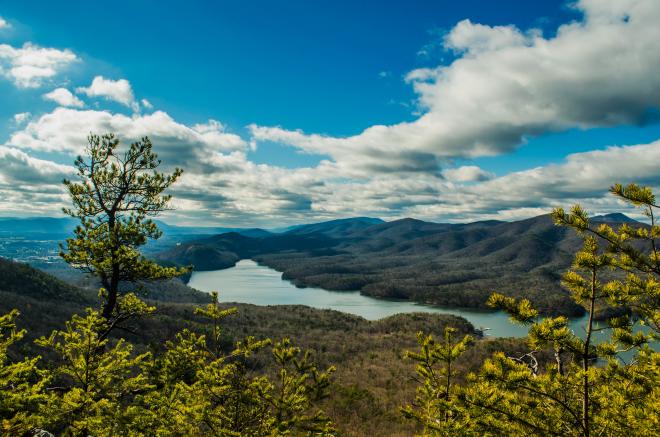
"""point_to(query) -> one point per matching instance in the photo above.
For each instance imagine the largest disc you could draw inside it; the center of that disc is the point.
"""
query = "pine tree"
(22, 384)
(199, 390)
(435, 408)
(95, 379)
(590, 388)
(98, 385)
(116, 197)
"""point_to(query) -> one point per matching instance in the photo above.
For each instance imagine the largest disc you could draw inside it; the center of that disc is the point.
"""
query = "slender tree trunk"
(558, 360)
(114, 277)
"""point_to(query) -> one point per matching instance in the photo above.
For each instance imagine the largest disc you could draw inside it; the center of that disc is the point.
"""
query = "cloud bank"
(505, 86)
(508, 85)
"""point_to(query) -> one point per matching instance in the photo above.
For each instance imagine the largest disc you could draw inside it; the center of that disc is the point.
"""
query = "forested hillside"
(444, 264)
(371, 382)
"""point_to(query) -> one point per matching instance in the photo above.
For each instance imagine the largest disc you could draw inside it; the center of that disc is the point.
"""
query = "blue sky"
(285, 96)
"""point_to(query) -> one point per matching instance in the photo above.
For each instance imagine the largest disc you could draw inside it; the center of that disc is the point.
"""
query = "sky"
(285, 112)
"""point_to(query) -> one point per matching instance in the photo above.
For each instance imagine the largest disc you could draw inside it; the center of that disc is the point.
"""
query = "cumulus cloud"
(147, 104)
(244, 193)
(18, 167)
(119, 91)
(65, 130)
(508, 85)
(64, 97)
(221, 185)
(467, 173)
(30, 66)
(475, 38)
(4, 24)
(582, 177)
(30, 185)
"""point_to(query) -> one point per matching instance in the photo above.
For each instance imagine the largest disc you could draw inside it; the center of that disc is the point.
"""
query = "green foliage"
(520, 312)
(203, 391)
(434, 406)
(102, 387)
(22, 384)
(633, 250)
(590, 388)
(95, 379)
(117, 195)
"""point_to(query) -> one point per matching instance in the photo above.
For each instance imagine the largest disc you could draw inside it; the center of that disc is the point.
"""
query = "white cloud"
(116, 90)
(147, 104)
(64, 97)
(4, 24)
(509, 85)
(467, 173)
(30, 66)
(65, 130)
(474, 38)
(21, 118)
(221, 185)
(18, 167)
(506, 85)
(29, 185)
(582, 177)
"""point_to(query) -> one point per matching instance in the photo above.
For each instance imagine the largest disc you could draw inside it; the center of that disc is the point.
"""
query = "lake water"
(249, 282)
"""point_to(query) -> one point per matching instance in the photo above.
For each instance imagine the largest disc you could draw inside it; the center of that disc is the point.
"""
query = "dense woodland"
(136, 359)
(372, 379)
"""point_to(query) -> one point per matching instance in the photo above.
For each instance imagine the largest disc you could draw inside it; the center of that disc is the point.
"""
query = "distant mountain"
(37, 225)
(613, 218)
(335, 228)
(225, 250)
(59, 227)
(173, 230)
(437, 263)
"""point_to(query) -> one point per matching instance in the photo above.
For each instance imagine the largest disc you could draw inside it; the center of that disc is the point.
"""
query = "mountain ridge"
(436, 263)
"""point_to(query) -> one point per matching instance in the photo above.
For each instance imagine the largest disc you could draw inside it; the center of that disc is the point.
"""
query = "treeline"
(451, 284)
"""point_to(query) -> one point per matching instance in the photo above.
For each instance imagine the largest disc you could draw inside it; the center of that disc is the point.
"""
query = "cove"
(249, 282)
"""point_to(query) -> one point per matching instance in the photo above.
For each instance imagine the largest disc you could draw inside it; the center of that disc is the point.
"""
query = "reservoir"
(249, 282)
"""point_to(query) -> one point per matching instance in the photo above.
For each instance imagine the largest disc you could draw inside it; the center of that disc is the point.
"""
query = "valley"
(449, 265)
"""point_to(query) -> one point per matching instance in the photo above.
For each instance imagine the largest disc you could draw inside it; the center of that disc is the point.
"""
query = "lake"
(248, 282)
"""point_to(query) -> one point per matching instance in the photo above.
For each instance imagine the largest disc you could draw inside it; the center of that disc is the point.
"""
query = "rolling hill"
(436, 263)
